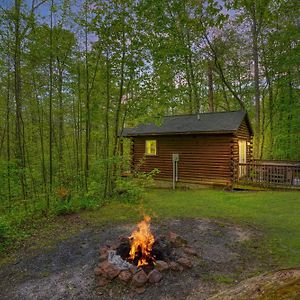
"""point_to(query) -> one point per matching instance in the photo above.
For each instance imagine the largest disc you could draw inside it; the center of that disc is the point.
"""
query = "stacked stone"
(107, 271)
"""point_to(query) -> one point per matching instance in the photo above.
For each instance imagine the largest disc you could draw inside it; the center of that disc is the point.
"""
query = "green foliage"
(4, 232)
(128, 190)
(64, 208)
(219, 278)
(131, 189)
(95, 190)
(146, 179)
(142, 60)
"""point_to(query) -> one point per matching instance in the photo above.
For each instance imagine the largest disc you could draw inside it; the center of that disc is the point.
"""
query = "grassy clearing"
(276, 213)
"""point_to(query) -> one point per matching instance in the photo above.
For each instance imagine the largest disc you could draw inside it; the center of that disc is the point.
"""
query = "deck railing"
(270, 174)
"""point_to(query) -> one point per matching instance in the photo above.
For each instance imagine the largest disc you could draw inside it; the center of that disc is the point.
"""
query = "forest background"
(73, 73)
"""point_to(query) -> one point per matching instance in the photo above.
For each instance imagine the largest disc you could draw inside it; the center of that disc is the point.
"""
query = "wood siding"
(205, 159)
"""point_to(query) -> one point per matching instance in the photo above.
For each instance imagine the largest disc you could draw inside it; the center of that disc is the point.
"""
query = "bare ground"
(228, 254)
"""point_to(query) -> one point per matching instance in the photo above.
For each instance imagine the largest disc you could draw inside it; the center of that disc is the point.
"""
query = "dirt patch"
(66, 271)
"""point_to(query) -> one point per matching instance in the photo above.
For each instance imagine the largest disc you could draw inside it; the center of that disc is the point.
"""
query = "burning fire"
(141, 242)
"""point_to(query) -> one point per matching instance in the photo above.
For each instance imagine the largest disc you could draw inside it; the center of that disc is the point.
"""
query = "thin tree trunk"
(50, 105)
(188, 78)
(8, 139)
(263, 124)
(220, 70)
(225, 97)
(107, 136)
(19, 122)
(271, 113)
(87, 107)
(210, 88)
(289, 116)
(78, 128)
(254, 29)
(61, 121)
(192, 74)
(118, 108)
(41, 133)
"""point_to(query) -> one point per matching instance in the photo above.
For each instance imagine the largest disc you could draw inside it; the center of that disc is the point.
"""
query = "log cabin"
(204, 148)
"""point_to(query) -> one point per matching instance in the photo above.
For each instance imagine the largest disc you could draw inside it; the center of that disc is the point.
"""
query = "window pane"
(151, 147)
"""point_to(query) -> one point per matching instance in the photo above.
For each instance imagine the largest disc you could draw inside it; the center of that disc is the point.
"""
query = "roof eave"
(177, 133)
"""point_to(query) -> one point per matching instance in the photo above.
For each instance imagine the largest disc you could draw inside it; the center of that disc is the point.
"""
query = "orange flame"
(141, 241)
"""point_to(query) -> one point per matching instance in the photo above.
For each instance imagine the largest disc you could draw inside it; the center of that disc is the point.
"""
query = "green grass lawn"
(277, 214)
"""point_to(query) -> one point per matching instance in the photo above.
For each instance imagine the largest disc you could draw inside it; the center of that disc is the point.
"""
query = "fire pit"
(141, 259)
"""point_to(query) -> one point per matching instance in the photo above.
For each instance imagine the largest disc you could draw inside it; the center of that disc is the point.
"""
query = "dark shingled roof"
(218, 122)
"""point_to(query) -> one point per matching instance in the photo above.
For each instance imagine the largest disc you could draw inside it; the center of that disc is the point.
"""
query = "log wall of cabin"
(205, 159)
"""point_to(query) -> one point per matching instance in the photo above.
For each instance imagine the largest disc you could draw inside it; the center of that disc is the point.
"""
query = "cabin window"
(150, 147)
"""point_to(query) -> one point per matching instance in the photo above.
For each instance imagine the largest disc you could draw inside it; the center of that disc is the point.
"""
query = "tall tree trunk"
(118, 107)
(78, 139)
(41, 134)
(8, 138)
(107, 179)
(50, 103)
(61, 121)
(225, 97)
(87, 105)
(20, 151)
(188, 78)
(210, 88)
(263, 132)
(220, 69)
(289, 116)
(255, 33)
(271, 113)
(192, 74)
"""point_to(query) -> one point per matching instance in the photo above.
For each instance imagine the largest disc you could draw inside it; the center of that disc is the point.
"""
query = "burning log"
(141, 243)
(141, 258)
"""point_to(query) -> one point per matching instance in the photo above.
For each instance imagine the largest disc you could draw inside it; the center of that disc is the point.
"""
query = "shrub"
(64, 208)
(94, 190)
(128, 190)
(145, 179)
(131, 189)
(4, 232)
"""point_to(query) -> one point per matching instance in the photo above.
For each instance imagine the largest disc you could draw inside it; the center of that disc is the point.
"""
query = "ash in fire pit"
(141, 258)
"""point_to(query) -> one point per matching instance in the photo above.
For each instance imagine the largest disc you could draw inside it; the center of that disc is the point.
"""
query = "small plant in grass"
(128, 190)
(218, 278)
(65, 208)
(132, 189)
(223, 279)
(64, 204)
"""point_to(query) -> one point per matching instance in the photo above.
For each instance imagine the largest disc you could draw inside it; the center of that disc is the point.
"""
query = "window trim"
(150, 154)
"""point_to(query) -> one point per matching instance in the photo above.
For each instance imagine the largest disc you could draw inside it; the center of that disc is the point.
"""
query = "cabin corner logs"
(204, 158)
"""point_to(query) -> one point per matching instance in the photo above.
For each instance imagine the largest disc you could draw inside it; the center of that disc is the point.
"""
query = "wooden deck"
(269, 174)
